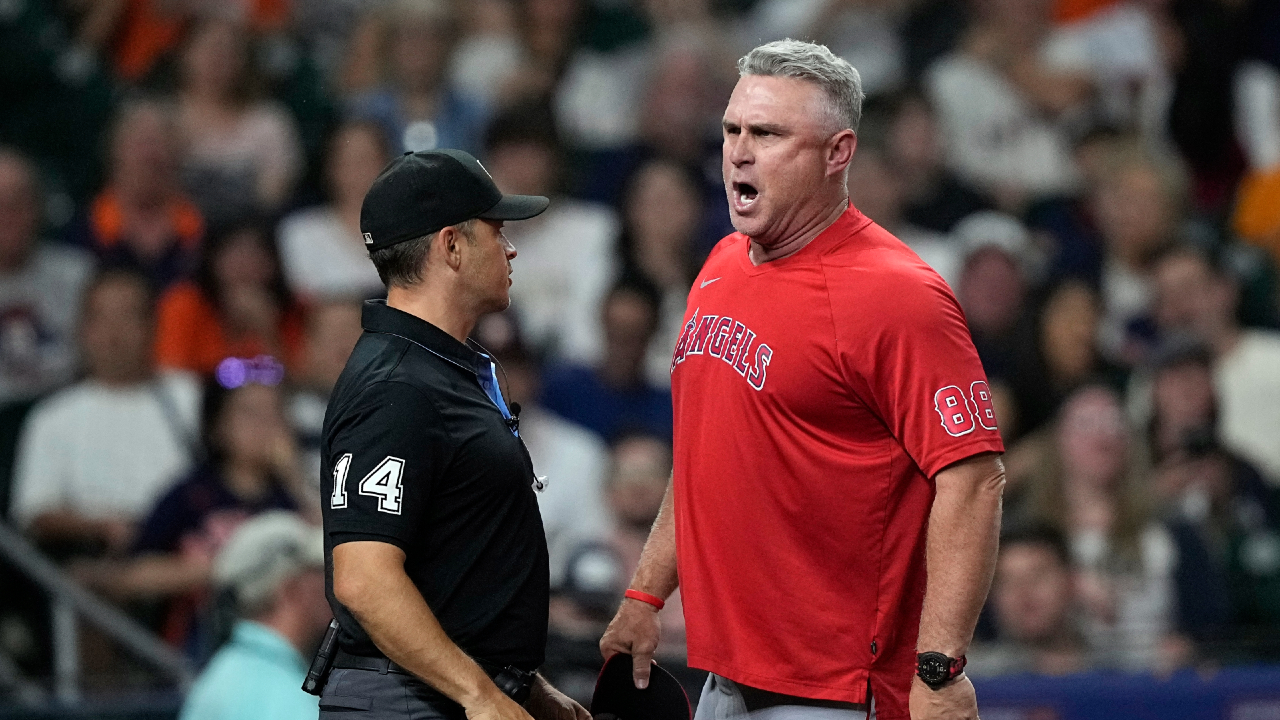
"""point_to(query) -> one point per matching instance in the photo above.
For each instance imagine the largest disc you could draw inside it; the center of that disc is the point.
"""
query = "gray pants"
(371, 695)
(723, 699)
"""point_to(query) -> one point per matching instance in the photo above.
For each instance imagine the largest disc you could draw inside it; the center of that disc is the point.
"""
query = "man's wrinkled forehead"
(768, 99)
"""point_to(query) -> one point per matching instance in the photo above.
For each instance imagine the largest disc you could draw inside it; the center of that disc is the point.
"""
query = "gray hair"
(817, 64)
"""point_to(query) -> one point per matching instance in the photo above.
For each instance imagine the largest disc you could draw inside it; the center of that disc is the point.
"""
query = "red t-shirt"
(815, 397)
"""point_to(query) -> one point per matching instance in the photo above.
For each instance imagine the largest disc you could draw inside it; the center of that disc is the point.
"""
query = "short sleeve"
(383, 457)
(913, 361)
(40, 468)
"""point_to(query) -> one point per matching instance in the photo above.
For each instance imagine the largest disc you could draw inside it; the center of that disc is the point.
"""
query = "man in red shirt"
(835, 503)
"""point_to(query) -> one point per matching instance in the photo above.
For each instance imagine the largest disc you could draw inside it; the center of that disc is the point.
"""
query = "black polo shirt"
(417, 454)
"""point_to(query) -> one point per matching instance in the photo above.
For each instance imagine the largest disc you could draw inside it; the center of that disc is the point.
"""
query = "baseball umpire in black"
(435, 553)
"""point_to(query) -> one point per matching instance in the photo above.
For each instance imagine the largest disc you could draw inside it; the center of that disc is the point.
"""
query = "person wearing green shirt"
(274, 566)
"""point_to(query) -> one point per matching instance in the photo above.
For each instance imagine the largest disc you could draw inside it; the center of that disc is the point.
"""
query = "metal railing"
(68, 603)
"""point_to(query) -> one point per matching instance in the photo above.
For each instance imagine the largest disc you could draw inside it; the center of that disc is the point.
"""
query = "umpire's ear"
(448, 242)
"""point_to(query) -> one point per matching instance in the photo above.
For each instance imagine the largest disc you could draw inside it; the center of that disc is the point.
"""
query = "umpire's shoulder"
(381, 408)
(375, 377)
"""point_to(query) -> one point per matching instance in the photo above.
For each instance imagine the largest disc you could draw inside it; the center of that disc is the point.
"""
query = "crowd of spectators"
(181, 272)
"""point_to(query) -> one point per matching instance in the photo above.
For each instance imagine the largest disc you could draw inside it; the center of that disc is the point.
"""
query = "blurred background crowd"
(181, 274)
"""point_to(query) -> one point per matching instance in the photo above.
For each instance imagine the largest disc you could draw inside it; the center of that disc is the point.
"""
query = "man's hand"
(956, 701)
(548, 703)
(634, 630)
(496, 706)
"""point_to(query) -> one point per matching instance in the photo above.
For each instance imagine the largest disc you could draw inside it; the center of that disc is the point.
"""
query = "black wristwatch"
(936, 669)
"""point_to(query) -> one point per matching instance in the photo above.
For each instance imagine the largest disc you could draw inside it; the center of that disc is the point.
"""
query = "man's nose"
(508, 248)
(738, 149)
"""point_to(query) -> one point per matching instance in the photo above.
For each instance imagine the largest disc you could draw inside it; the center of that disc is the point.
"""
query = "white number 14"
(382, 482)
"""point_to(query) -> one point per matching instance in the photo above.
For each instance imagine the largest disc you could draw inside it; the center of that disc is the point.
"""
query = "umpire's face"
(486, 267)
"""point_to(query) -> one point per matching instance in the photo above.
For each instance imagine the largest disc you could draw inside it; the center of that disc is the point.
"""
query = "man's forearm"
(960, 554)
(147, 577)
(391, 610)
(656, 573)
(66, 524)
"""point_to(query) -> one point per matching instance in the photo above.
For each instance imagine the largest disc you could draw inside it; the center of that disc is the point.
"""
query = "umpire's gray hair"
(815, 63)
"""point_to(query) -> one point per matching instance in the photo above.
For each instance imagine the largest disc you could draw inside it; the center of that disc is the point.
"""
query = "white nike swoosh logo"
(707, 282)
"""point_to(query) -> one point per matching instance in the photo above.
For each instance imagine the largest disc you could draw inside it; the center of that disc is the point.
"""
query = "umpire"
(435, 557)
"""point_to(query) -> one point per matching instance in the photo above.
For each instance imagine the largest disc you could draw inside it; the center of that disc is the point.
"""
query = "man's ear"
(449, 244)
(840, 149)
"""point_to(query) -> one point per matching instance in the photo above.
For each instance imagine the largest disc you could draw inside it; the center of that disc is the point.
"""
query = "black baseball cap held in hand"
(420, 193)
(616, 696)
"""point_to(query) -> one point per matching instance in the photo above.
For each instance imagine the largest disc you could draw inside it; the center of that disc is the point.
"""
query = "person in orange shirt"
(141, 219)
(237, 305)
(137, 35)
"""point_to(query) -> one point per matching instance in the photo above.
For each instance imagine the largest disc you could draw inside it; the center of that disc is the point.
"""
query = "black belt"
(511, 680)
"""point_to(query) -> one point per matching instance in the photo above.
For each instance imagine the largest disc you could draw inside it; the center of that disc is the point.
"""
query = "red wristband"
(645, 597)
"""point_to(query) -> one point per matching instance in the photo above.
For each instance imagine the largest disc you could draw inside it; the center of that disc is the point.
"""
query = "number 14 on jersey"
(382, 482)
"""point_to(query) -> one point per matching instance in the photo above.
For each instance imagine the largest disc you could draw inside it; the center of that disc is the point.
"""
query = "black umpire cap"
(616, 696)
(420, 193)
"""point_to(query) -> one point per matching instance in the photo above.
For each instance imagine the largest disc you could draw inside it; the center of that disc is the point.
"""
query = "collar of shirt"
(261, 640)
(382, 318)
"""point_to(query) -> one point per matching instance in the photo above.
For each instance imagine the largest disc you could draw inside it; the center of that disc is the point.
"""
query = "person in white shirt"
(93, 458)
(566, 254)
(241, 154)
(321, 249)
(1120, 48)
(1004, 99)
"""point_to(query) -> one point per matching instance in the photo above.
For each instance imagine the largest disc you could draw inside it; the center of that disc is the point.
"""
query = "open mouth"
(744, 195)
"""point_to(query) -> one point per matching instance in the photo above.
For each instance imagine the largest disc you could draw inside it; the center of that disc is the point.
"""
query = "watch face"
(933, 667)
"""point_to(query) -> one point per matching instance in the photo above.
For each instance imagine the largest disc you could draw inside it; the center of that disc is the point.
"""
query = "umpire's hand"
(496, 706)
(635, 630)
(548, 703)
